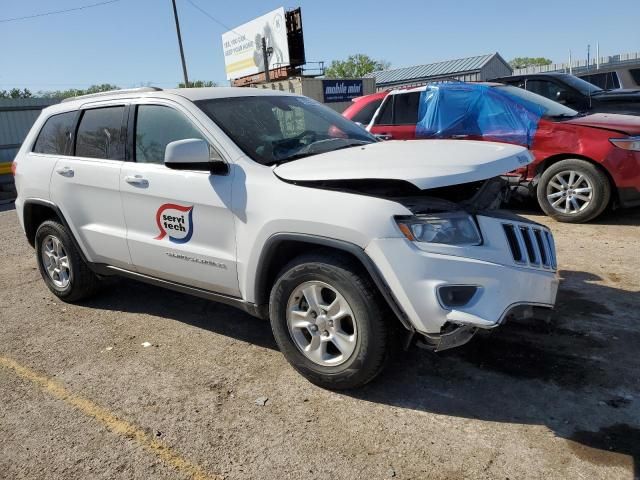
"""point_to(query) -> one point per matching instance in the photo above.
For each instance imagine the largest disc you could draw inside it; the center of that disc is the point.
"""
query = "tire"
(589, 182)
(79, 282)
(365, 324)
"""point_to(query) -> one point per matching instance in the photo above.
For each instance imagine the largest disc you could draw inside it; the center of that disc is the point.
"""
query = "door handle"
(65, 171)
(136, 180)
(383, 136)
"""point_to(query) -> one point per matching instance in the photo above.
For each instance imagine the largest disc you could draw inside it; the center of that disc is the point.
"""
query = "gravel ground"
(82, 398)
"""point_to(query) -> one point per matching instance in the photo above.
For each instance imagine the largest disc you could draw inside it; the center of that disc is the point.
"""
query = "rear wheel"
(329, 322)
(60, 264)
(573, 191)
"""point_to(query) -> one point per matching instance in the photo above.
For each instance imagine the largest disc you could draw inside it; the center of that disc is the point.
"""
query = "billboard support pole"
(265, 58)
(184, 64)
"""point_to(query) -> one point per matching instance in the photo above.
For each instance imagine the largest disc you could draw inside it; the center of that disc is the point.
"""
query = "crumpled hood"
(424, 163)
(629, 124)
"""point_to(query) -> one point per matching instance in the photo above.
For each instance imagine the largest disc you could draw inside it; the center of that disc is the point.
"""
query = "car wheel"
(60, 264)
(328, 321)
(573, 191)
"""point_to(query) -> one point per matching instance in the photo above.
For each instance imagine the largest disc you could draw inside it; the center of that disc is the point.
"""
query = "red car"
(583, 163)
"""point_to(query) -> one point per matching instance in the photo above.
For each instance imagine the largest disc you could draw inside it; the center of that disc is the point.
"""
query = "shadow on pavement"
(577, 375)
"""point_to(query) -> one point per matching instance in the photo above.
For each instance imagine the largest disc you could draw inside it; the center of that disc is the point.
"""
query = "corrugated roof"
(18, 115)
(439, 69)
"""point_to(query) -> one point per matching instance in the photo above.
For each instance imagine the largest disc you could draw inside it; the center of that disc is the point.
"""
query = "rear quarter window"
(55, 136)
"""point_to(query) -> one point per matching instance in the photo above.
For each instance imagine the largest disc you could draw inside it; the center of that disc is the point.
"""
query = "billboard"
(341, 90)
(243, 45)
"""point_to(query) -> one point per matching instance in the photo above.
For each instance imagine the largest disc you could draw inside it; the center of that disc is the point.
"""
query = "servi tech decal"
(175, 221)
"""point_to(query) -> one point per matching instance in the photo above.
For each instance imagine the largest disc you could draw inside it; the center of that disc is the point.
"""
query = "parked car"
(276, 204)
(577, 93)
(582, 163)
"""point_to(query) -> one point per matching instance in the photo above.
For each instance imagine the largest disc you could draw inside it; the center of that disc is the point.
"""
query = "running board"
(250, 308)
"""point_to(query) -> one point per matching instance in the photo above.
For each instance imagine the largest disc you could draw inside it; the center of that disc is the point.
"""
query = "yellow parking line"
(5, 168)
(108, 419)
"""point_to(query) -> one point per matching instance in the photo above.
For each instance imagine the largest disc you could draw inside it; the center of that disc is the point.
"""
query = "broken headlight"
(450, 228)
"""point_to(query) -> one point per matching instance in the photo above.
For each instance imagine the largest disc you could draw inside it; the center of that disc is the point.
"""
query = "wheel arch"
(280, 249)
(36, 211)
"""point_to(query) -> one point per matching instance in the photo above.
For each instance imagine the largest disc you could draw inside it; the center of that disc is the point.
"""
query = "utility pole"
(184, 64)
(265, 59)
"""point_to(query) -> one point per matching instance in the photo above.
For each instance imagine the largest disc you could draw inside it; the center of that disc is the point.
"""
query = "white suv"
(276, 204)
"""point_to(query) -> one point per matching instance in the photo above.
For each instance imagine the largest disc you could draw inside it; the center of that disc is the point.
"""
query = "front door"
(397, 117)
(179, 225)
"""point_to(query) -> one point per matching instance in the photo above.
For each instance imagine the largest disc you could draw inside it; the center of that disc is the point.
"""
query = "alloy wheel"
(321, 323)
(56, 261)
(569, 192)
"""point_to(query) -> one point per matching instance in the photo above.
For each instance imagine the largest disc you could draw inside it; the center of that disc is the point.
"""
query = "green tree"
(355, 66)
(16, 93)
(74, 92)
(199, 84)
(525, 62)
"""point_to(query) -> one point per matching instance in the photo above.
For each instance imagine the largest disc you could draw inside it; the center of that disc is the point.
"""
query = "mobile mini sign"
(243, 45)
(341, 90)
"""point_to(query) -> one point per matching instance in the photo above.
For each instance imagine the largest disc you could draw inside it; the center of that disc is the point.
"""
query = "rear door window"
(604, 80)
(55, 136)
(100, 134)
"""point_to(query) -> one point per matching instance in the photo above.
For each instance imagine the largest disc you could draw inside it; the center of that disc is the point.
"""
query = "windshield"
(581, 85)
(274, 129)
(551, 108)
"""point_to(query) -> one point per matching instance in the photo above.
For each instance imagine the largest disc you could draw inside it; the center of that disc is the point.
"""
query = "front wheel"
(328, 321)
(573, 191)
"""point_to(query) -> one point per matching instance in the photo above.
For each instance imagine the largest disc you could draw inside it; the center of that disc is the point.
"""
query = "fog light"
(456, 295)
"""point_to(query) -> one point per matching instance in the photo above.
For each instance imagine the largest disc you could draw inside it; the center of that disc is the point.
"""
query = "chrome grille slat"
(530, 245)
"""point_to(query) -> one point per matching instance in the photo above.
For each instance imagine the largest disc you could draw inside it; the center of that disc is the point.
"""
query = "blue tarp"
(466, 109)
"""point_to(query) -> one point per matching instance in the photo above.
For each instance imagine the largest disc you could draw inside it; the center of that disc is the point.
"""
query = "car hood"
(629, 124)
(622, 93)
(424, 163)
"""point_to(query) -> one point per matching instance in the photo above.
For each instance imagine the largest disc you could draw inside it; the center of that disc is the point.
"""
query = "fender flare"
(63, 220)
(270, 247)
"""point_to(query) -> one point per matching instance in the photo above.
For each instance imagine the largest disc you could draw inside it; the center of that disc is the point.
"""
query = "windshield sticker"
(175, 221)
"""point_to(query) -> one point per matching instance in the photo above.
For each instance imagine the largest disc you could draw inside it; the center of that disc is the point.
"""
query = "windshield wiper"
(297, 156)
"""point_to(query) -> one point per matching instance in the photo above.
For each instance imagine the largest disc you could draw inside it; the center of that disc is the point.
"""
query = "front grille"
(531, 245)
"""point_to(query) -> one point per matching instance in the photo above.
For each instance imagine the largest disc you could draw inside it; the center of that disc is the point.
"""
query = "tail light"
(14, 167)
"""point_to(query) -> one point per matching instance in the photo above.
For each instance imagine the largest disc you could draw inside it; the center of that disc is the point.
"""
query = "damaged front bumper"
(498, 288)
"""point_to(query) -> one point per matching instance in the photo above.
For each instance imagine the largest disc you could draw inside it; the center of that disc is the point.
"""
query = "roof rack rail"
(123, 91)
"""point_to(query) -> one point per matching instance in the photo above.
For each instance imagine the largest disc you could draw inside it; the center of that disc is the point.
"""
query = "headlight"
(450, 228)
(629, 143)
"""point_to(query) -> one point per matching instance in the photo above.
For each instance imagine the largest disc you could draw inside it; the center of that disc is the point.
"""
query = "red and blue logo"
(175, 221)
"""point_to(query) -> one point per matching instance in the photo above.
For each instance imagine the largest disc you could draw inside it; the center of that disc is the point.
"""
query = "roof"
(193, 94)
(439, 69)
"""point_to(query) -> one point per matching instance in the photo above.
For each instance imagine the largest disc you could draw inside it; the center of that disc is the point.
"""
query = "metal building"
(613, 71)
(471, 69)
(17, 115)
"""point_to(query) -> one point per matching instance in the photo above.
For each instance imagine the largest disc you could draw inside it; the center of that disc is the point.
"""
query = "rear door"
(179, 223)
(397, 117)
(85, 185)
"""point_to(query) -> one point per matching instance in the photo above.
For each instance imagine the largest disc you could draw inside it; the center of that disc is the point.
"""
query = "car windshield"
(274, 129)
(581, 85)
(551, 108)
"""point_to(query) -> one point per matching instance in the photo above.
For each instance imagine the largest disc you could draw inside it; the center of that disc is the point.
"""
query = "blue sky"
(132, 42)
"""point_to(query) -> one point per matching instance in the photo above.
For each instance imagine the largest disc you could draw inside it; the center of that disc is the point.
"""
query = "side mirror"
(562, 97)
(194, 154)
